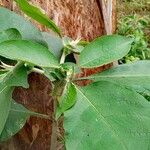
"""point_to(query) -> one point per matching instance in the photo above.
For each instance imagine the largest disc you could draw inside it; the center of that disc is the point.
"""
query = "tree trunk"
(77, 18)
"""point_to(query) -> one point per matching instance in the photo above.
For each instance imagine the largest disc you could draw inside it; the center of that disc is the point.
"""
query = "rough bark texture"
(77, 18)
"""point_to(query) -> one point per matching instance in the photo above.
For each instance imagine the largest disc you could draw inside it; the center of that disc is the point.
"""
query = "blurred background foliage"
(134, 21)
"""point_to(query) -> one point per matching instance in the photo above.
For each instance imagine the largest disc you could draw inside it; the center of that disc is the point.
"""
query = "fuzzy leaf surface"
(17, 117)
(135, 75)
(108, 117)
(28, 51)
(104, 50)
(5, 104)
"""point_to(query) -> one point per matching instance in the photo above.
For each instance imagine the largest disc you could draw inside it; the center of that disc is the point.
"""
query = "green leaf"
(9, 34)
(72, 46)
(2, 72)
(67, 99)
(29, 52)
(54, 43)
(5, 103)
(135, 75)
(108, 117)
(54, 74)
(9, 19)
(104, 50)
(48, 72)
(15, 77)
(17, 117)
(71, 67)
(37, 14)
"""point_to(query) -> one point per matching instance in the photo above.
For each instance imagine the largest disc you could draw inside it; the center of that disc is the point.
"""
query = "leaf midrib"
(114, 76)
(104, 120)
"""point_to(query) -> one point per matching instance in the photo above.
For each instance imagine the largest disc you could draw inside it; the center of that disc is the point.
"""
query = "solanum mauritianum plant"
(111, 113)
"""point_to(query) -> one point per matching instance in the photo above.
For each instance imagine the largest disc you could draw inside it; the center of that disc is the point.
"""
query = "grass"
(131, 7)
(134, 20)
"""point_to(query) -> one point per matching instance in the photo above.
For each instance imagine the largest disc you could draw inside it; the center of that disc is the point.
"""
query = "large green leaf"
(54, 43)
(9, 19)
(36, 14)
(5, 103)
(9, 34)
(104, 50)
(28, 51)
(15, 77)
(67, 100)
(108, 117)
(27, 30)
(135, 75)
(17, 117)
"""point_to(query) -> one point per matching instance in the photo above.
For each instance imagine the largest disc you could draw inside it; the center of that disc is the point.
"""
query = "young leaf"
(108, 117)
(36, 14)
(29, 52)
(9, 34)
(135, 75)
(16, 120)
(54, 44)
(68, 66)
(104, 50)
(67, 100)
(9, 19)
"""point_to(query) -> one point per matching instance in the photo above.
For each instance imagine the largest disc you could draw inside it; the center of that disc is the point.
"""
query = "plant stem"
(54, 128)
(5, 66)
(38, 70)
(62, 60)
(57, 92)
